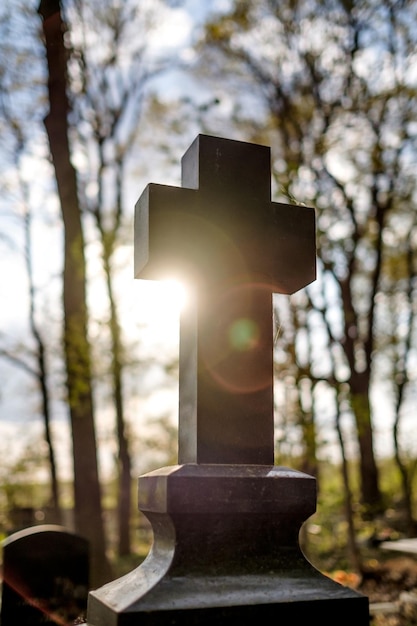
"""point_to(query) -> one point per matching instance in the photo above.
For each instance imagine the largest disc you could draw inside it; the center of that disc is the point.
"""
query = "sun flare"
(174, 292)
(161, 301)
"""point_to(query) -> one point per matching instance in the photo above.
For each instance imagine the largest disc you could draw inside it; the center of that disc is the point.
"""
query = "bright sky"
(152, 305)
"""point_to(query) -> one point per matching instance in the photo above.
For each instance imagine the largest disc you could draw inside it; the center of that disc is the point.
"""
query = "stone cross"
(221, 234)
(225, 520)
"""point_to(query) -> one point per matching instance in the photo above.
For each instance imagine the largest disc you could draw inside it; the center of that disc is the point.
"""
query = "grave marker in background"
(45, 577)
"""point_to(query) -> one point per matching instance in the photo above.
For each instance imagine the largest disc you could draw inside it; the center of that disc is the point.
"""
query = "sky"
(153, 307)
(144, 303)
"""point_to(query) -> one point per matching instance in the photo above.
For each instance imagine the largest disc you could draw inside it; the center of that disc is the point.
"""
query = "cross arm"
(181, 234)
(290, 241)
(165, 237)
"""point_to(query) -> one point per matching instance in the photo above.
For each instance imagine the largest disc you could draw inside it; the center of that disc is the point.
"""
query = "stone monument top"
(221, 233)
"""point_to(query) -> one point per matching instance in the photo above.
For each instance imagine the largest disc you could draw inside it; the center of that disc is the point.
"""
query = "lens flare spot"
(243, 334)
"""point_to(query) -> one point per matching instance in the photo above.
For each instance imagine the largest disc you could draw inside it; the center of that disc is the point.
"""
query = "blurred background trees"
(336, 84)
(331, 87)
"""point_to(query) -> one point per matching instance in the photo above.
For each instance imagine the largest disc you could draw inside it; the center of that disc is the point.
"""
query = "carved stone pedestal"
(225, 547)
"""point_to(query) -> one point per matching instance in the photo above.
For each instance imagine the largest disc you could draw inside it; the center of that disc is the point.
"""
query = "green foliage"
(325, 534)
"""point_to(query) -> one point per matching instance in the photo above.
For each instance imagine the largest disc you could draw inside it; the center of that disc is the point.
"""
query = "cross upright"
(222, 234)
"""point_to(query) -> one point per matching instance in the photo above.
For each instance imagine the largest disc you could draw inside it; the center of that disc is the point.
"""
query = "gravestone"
(225, 520)
(45, 577)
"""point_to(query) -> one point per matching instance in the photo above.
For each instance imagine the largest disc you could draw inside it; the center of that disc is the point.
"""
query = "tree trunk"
(124, 507)
(353, 548)
(359, 383)
(42, 373)
(87, 496)
(370, 492)
(56, 510)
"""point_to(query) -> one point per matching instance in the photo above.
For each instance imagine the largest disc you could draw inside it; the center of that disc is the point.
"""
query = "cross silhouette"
(221, 233)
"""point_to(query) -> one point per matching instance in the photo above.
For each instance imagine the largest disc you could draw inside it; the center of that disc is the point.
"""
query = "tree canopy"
(336, 85)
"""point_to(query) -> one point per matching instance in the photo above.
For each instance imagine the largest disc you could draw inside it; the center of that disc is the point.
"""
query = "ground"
(391, 587)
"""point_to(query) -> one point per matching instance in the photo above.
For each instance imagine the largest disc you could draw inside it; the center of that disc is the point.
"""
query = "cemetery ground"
(388, 578)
